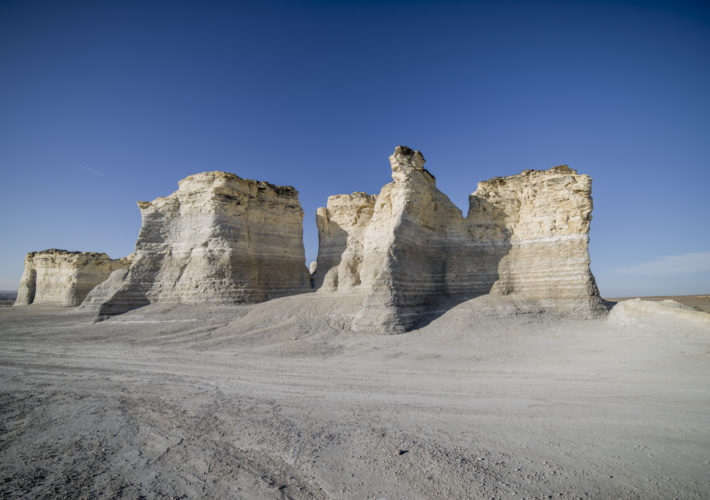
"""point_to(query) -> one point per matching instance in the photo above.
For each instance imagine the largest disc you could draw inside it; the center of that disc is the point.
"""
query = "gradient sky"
(106, 103)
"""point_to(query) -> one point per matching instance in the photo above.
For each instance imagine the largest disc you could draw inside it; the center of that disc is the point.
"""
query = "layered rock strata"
(218, 239)
(62, 277)
(409, 247)
(341, 232)
(547, 214)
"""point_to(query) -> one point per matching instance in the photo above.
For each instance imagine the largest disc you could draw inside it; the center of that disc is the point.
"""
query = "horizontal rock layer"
(62, 277)
(218, 239)
(546, 215)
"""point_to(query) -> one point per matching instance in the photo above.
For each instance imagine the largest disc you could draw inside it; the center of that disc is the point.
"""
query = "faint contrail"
(88, 169)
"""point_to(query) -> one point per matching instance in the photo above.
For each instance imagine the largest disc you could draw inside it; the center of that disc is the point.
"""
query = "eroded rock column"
(63, 277)
(409, 249)
(219, 239)
(546, 214)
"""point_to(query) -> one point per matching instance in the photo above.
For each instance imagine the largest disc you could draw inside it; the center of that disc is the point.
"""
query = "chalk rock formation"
(409, 247)
(341, 230)
(644, 313)
(218, 239)
(402, 250)
(63, 277)
(104, 291)
(546, 216)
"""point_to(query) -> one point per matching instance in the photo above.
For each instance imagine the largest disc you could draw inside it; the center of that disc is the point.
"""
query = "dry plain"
(260, 402)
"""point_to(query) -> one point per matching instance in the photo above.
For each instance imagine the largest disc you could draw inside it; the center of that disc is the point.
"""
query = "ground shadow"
(472, 267)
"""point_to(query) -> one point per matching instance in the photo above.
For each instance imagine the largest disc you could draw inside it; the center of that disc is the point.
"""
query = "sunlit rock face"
(547, 214)
(341, 231)
(408, 248)
(62, 277)
(218, 239)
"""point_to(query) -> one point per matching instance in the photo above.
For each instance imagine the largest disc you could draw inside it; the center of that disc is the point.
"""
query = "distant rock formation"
(218, 239)
(62, 277)
(409, 247)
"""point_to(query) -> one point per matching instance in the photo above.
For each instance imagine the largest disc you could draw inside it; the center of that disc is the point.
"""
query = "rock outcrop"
(546, 215)
(62, 277)
(645, 313)
(218, 239)
(104, 291)
(408, 248)
(341, 231)
(403, 255)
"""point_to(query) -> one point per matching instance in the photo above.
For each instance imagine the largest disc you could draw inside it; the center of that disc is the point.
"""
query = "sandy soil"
(186, 402)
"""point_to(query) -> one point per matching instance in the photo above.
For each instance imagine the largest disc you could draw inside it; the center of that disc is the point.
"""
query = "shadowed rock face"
(219, 239)
(409, 248)
(63, 277)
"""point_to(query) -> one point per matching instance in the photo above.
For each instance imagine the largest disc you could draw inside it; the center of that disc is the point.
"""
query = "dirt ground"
(261, 402)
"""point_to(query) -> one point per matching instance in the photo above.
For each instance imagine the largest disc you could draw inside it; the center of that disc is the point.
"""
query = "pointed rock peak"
(404, 157)
(406, 161)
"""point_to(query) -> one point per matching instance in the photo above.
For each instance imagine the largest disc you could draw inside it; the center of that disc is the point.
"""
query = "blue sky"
(106, 103)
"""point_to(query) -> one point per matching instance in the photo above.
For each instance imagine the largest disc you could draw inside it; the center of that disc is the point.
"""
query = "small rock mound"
(640, 312)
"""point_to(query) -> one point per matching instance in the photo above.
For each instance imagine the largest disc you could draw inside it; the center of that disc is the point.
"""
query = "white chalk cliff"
(62, 277)
(401, 256)
(409, 247)
(218, 239)
(546, 215)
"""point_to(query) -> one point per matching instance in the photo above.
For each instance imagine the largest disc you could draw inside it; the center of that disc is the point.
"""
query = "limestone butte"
(399, 256)
(409, 247)
(218, 239)
(546, 214)
(62, 277)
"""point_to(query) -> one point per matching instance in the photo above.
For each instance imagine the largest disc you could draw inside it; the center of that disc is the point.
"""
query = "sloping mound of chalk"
(638, 311)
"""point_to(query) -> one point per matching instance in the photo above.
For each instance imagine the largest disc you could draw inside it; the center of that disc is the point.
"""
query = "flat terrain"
(261, 402)
(7, 297)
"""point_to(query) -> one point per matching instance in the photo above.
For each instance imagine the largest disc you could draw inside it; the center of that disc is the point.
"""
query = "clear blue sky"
(106, 103)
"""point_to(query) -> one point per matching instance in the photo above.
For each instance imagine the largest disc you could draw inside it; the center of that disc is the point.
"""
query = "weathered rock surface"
(654, 313)
(105, 290)
(404, 255)
(341, 231)
(218, 239)
(546, 216)
(408, 248)
(63, 277)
